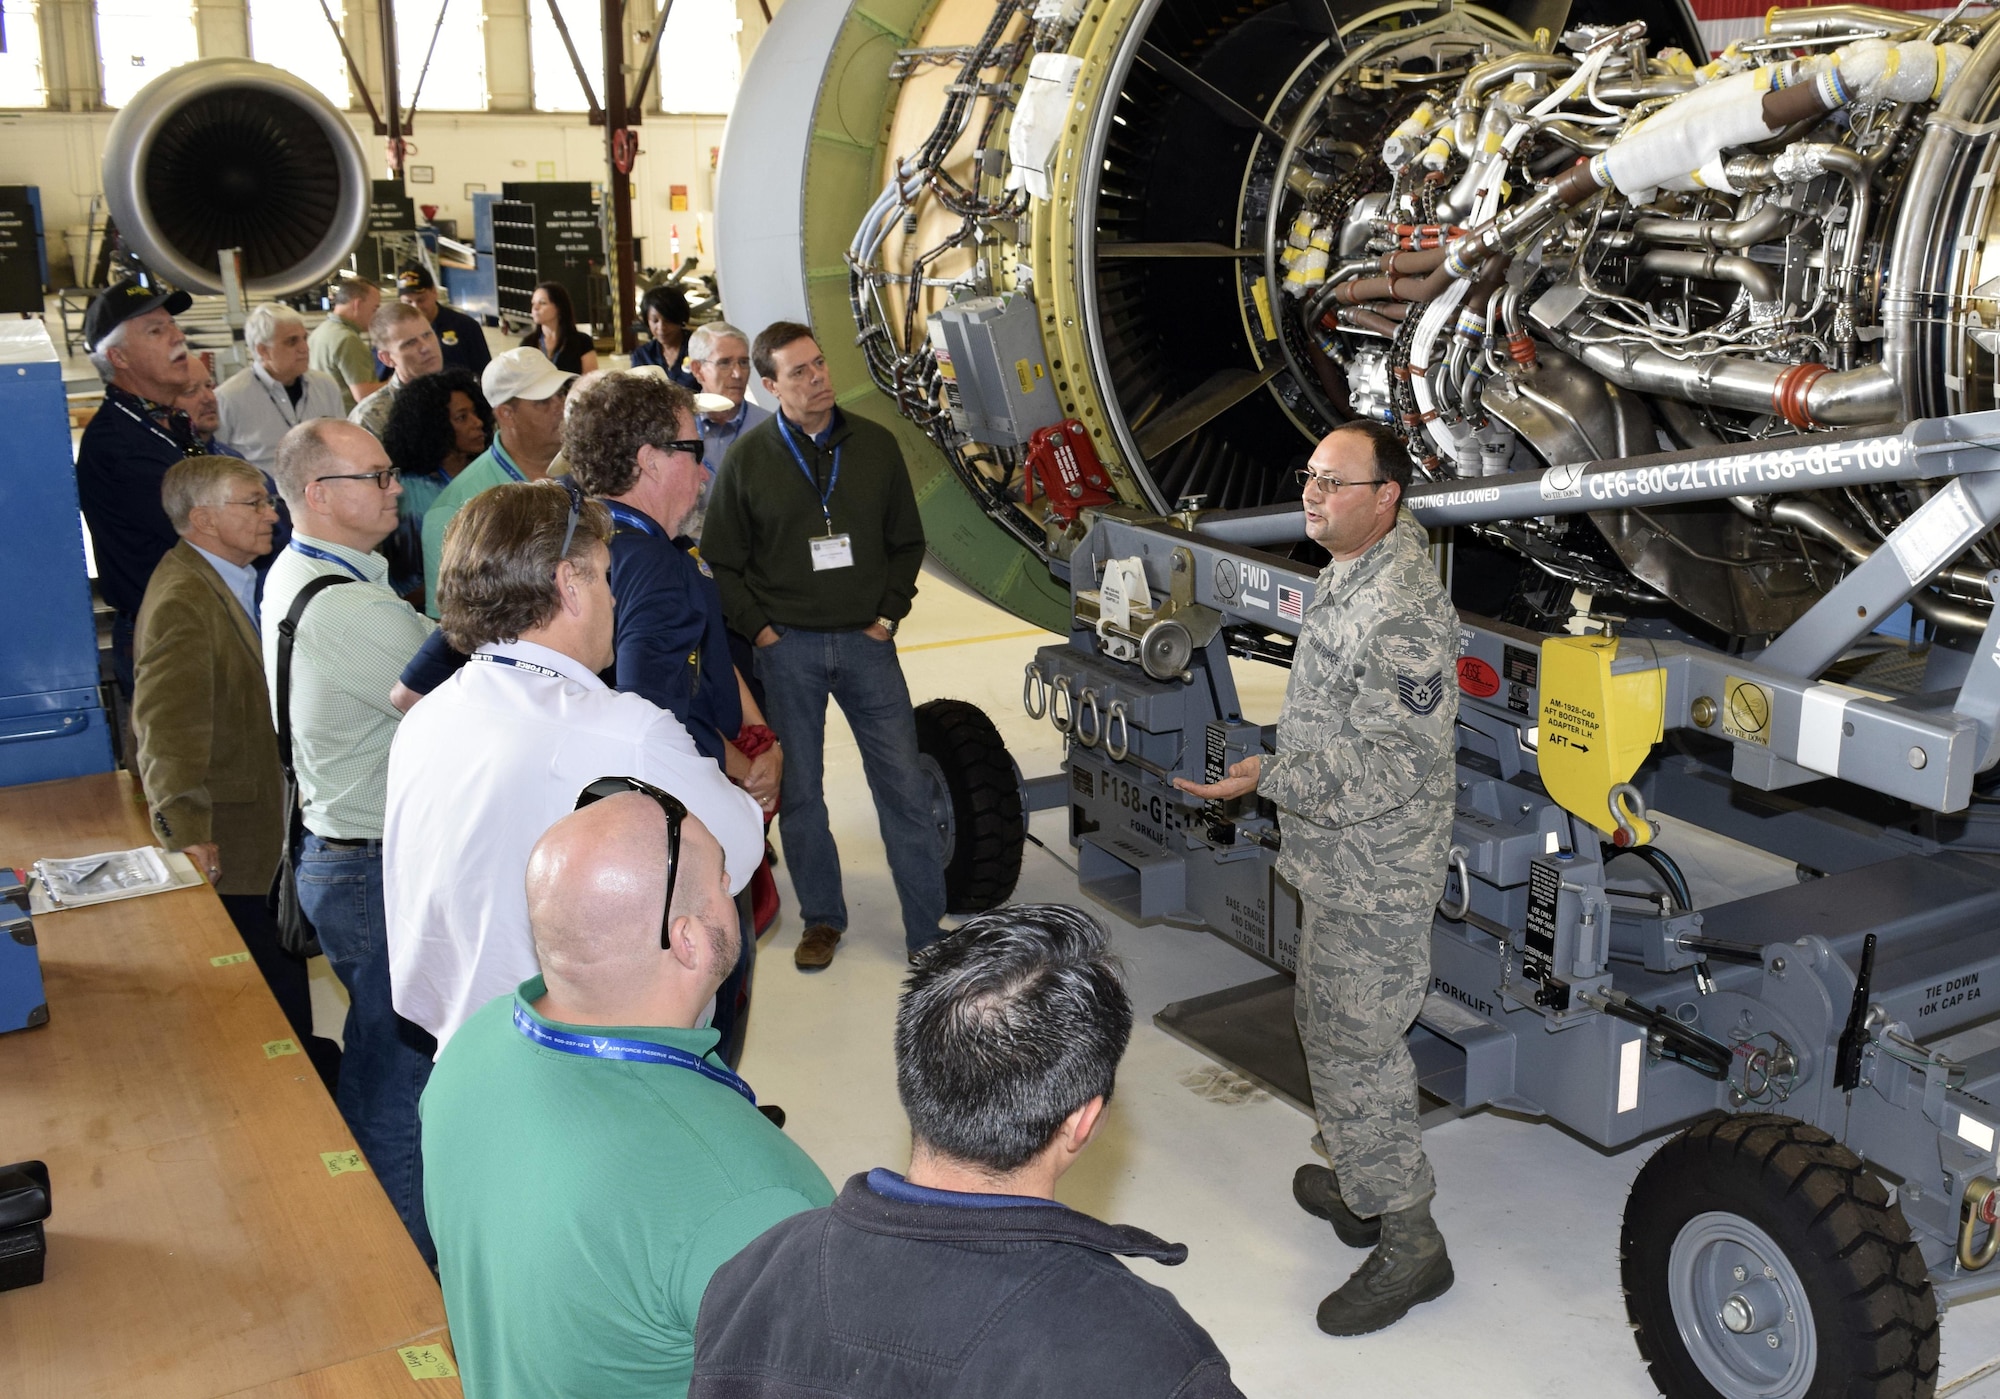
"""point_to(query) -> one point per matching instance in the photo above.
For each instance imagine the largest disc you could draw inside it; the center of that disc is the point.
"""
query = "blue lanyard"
(628, 1051)
(490, 659)
(825, 496)
(632, 519)
(300, 547)
(506, 462)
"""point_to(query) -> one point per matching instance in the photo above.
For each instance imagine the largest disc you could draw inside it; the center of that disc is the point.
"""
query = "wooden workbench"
(199, 1245)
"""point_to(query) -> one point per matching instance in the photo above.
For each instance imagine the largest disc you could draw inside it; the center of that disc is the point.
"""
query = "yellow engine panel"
(1596, 728)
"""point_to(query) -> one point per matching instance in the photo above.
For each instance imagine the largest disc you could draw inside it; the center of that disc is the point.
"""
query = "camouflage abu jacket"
(1364, 770)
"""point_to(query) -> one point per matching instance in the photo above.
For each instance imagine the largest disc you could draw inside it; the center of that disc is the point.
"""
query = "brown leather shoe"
(816, 948)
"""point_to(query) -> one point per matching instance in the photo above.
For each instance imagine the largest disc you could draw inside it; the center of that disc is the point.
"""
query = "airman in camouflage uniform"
(1363, 775)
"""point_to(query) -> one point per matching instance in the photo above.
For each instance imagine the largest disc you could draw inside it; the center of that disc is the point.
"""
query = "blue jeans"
(387, 1060)
(800, 671)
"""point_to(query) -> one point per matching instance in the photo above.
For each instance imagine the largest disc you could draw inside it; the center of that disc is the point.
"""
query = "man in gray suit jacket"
(207, 753)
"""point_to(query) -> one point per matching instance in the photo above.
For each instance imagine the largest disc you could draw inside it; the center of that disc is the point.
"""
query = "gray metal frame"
(1618, 1020)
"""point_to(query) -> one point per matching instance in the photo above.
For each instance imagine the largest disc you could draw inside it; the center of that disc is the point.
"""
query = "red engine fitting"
(1063, 462)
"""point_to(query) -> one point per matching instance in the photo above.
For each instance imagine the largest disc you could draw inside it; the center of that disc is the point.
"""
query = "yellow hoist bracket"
(1596, 728)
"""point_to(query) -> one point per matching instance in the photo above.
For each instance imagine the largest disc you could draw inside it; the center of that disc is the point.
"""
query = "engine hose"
(1663, 865)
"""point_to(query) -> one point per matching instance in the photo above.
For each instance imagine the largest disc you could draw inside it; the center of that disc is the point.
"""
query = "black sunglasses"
(693, 446)
(676, 813)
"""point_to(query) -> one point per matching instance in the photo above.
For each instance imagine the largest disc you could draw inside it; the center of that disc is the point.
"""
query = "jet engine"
(1526, 238)
(226, 153)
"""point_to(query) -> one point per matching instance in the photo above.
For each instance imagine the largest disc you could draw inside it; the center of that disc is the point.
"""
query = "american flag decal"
(1291, 603)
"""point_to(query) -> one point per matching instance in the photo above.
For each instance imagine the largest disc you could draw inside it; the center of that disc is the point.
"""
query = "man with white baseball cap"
(527, 394)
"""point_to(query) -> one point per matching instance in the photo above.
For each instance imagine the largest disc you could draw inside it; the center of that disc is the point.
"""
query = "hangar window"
(556, 87)
(700, 63)
(21, 64)
(293, 35)
(456, 81)
(137, 40)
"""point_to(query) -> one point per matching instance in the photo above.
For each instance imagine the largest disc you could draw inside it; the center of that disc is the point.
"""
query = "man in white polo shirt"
(488, 761)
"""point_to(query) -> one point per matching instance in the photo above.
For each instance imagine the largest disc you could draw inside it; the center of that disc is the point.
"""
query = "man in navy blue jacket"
(631, 441)
(964, 1279)
(142, 356)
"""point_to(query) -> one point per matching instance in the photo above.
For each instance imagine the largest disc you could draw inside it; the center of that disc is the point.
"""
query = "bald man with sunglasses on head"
(591, 1160)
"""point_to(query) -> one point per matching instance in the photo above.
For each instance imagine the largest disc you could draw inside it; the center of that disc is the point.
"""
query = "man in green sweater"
(591, 1160)
(815, 541)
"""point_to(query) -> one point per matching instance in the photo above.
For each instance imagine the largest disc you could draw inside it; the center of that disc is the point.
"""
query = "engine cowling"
(226, 153)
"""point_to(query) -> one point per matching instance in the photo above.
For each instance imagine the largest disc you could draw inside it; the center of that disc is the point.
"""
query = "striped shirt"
(352, 645)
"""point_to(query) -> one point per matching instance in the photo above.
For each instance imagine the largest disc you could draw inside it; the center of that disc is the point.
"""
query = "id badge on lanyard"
(829, 550)
(832, 551)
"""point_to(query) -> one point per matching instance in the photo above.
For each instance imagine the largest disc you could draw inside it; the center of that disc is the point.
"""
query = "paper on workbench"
(82, 880)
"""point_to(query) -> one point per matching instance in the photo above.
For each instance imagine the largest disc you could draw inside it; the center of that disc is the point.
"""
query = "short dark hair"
(670, 302)
(610, 417)
(498, 574)
(1392, 458)
(1005, 1028)
(771, 339)
(418, 436)
(348, 290)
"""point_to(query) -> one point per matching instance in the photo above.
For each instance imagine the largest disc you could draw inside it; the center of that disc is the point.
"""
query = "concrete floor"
(1199, 1156)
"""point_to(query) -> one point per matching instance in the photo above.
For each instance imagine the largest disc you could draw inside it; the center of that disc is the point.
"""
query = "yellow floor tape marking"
(974, 640)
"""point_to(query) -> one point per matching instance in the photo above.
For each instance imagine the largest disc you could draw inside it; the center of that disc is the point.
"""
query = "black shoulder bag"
(295, 930)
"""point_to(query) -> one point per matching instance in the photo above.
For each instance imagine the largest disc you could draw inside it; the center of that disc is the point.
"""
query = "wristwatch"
(887, 624)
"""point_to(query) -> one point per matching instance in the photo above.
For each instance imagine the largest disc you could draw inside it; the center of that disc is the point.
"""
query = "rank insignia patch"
(1420, 696)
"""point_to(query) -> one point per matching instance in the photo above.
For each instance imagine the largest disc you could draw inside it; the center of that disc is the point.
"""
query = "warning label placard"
(1746, 711)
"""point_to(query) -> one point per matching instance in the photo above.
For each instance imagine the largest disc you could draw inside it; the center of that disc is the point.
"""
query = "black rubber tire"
(985, 860)
(1874, 1313)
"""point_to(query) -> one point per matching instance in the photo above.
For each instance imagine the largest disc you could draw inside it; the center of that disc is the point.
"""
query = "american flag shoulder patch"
(1420, 696)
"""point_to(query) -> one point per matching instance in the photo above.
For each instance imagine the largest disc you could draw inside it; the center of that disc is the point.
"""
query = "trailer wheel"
(1762, 1260)
(976, 803)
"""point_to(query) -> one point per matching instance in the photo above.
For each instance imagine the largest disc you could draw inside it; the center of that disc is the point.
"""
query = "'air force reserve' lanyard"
(505, 462)
(297, 546)
(829, 550)
(490, 659)
(632, 519)
(629, 1051)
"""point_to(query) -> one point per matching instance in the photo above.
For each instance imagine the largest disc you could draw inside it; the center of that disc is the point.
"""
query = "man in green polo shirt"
(527, 395)
(589, 1160)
